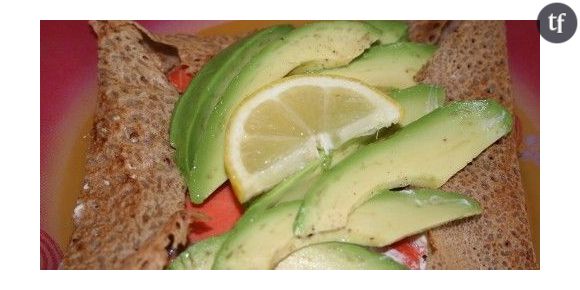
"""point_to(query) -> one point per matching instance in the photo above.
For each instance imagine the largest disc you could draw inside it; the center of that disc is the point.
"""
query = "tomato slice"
(180, 77)
(411, 252)
(223, 209)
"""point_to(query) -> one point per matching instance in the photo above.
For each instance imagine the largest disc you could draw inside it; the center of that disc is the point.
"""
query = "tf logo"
(560, 20)
(557, 22)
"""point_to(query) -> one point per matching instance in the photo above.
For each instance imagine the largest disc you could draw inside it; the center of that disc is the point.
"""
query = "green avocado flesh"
(391, 30)
(199, 256)
(267, 238)
(208, 86)
(387, 66)
(292, 188)
(189, 102)
(333, 42)
(418, 101)
(330, 255)
(426, 153)
(337, 256)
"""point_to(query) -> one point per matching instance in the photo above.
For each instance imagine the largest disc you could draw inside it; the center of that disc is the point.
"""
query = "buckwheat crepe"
(131, 212)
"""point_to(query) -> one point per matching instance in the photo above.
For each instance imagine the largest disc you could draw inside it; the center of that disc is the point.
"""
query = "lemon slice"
(284, 126)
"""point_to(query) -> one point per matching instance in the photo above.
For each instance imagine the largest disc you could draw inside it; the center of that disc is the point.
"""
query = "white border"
(20, 142)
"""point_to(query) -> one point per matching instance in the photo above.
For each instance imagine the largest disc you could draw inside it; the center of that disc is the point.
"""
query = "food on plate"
(350, 144)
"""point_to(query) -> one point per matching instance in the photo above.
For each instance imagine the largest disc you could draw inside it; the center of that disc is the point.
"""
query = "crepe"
(471, 63)
(130, 212)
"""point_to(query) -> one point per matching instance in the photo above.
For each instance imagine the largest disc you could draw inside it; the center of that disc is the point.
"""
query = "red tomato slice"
(180, 77)
(223, 209)
(409, 251)
(407, 247)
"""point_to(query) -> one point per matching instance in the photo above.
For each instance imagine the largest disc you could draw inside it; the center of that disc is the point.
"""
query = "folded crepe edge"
(156, 252)
(472, 63)
(128, 215)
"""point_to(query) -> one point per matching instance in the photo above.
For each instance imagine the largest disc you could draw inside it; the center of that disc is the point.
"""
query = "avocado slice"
(392, 215)
(337, 256)
(267, 238)
(331, 255)
(332, 43)
(418, 101)
(254, 242)
(387, 66)
(290, 189)
(426, 153)
(391, 30)
(208, 86)
(199, 256)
